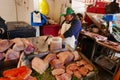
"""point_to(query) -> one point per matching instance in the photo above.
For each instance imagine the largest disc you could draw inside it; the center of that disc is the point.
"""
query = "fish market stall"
(32, 59)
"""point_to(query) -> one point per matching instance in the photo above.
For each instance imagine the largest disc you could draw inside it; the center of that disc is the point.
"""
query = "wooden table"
(113, 46)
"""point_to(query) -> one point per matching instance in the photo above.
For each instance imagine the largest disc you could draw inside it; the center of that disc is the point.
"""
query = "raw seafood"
(39, 65)
(29, 47)
(76, 55)
(66, 76)
(58, 71)
(83, 71)
(2, 55)
(11, 55)
(89, 67)
(13, 78)
(50, 57)
(56, 63)
(72, 66)
(65, 57)
(81, 62)
(77, 74)
(22, 72)
(19, 45)
(4, 78)
(30, 78)
(5, 44)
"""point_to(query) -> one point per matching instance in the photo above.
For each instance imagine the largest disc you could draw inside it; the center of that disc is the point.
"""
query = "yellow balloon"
(43, 7)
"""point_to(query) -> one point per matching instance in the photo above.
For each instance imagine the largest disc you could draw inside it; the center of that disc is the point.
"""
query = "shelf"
(112, 73)
(105, 63)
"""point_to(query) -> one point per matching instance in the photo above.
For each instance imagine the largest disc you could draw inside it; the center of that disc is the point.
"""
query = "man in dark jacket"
(3, 29)
(71, 27)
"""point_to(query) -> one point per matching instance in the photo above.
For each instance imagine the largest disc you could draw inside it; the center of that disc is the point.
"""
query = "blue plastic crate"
(109, 17)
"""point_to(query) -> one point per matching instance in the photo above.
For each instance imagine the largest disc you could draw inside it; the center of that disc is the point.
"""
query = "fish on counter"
(11, 55)
(41, 43)
(17, 78)
(64, 76)
(76, 55)
(5, 44)
(30, 78)
(83, 71)
(77, 74)
(2, 55)
(11, 49)
(23, 44)
(23, 61)
(29, 47)
(68, 56)
(80, 68)
(19, 45)
(4, 78)
(39, 65)
(50, 57)
(58, 71)
(56, 63)
(64, 63)
(21, 73)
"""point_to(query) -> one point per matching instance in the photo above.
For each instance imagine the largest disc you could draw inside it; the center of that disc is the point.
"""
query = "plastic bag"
(43, 7)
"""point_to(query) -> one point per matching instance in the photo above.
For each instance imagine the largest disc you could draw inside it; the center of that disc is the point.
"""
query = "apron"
(65, 27)
(69, 41)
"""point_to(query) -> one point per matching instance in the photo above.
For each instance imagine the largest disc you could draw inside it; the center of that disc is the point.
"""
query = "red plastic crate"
(91, 9)
(100, 10)
(100, 4)
(51, 29)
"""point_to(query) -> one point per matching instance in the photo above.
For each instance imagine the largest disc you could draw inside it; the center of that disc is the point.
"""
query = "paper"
(36, 18)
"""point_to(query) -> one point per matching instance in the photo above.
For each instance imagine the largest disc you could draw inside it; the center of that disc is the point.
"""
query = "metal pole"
(16, 10)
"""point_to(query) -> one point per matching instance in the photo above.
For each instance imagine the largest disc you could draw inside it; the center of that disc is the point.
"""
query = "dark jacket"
(75, 29)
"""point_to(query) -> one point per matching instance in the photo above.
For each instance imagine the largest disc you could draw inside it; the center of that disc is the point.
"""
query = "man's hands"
(62, 36)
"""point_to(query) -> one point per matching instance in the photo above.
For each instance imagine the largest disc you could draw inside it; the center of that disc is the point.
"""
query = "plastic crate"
(100, 4)
(110, 17)
(51, 29)
(100, 10)
(91, 9)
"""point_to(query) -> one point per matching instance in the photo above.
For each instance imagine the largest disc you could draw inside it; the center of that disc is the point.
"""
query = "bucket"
(56, 43)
